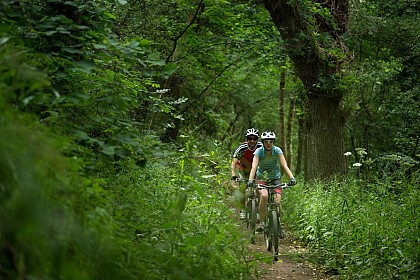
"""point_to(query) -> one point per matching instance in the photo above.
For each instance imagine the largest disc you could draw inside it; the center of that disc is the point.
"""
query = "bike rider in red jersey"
(242, 161)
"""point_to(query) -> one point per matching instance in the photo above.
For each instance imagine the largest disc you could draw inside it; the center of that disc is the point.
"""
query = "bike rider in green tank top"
(268, 159)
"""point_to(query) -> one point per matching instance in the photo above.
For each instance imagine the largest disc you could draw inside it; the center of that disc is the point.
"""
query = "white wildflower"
(347, 154)
(357, 164)
(162, 91)
(361, 151)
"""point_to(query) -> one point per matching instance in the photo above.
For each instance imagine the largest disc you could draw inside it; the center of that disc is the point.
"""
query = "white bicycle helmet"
(268, 135)
(252, 131)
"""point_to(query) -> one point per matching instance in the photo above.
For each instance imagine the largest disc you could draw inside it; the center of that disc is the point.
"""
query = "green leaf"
(169, 69)
(82, 135)
(182, 202)
(84, 66)
(28, 99)
(154, 59)
(72, 50)
(145, 43)
(51, 32)
(134, 44)
(108, 150)
(53, 113)
(100, 46)
(3, 40)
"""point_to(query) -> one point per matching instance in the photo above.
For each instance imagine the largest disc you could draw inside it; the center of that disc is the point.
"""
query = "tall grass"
(165, 220)
(360, 230)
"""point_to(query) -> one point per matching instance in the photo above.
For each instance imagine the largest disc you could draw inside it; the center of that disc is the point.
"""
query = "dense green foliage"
(117, 120)
(383, 99)
(80, 196)
(167, 218)
(360, 230)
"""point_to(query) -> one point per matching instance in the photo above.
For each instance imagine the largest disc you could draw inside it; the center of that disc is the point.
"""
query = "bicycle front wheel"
(271, 234)
(252, 218)
(267, 234)
(275, 235)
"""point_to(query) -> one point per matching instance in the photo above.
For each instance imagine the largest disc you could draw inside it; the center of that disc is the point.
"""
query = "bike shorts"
(272, 182)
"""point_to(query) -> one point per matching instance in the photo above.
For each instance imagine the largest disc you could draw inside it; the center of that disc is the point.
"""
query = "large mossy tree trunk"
(317, 60)
(325, 144)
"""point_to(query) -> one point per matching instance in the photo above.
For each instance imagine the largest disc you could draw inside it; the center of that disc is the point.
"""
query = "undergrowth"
(164, 220)
(360, 230)
(173, 216)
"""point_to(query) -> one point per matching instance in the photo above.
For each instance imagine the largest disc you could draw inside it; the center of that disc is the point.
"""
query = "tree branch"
(210, 84)
(183, 31)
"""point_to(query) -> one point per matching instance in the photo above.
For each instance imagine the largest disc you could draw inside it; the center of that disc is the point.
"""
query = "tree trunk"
(289, 130)
(282, 85)
(300, 148)
(325, 140)
(319, 69)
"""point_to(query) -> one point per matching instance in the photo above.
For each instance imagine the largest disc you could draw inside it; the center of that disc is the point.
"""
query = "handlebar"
(262, 186)
(240, 180)
(282, 186)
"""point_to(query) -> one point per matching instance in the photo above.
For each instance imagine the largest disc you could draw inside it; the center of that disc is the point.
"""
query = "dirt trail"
(291, 264)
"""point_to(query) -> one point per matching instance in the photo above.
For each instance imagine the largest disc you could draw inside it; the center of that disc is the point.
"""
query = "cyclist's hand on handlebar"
(250, 183)
(292, 182)
(234, 178)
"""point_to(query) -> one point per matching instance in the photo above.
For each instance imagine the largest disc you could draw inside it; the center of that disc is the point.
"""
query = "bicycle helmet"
(252, 131)
(268, 135)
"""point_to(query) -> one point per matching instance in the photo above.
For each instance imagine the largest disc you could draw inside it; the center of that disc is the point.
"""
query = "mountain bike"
(273, 226)
(251, 210)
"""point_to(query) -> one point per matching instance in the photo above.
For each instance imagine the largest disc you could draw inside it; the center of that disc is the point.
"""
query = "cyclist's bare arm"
(255, 162)
(286, 168)
(233, 166)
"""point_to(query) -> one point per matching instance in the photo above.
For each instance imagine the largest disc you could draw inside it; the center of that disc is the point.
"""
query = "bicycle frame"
(251, 204)
(271, 233)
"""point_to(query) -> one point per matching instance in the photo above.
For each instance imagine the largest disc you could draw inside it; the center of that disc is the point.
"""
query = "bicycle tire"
(248, 214)
(275, 235)
(267, 234)
(253, 219)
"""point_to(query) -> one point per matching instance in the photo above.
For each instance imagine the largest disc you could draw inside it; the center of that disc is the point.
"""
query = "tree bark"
(282, 86)
(318, 68)
(300, 147)
(325, 139)
(289, 131)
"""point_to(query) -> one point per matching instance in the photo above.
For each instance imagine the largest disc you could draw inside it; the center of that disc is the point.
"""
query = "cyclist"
(268, 159)
(242, 161)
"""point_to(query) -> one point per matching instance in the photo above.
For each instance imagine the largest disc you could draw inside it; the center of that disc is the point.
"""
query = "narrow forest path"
(291, 265)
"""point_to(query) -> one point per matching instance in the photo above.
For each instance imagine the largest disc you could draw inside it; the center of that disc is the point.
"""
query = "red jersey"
(245, 156)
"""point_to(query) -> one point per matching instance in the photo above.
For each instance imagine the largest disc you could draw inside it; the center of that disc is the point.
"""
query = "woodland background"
(118, 120)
